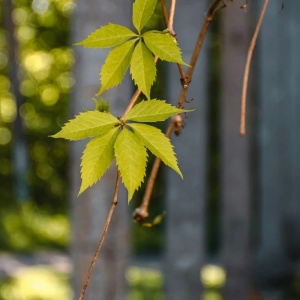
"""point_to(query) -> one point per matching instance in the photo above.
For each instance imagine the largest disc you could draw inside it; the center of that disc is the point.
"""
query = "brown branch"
(141, 213)
(171, 16)
(112, 208)
(247, 70)
(164, 10)
(131, 103)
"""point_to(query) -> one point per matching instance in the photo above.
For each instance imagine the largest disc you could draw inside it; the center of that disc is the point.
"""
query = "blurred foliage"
(45, 61)
(28, 228)
(43, 283)
(145, 283)
(36, 283)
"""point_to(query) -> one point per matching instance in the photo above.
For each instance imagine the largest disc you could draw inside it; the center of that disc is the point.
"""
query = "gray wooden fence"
(185, 199)
(259, 174)
(279, 164)
(90, 210)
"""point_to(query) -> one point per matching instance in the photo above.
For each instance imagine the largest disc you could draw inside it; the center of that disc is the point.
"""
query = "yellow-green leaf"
(115, 65)
(107, 36)
(131, 157)
(142, 11)
(142, 68)
(97, 157)
(164, 46)
(153, 111)
(87, 124)
(157, 143)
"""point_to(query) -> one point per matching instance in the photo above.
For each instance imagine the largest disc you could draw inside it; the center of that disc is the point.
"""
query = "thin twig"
(131, 103)
(164, 10)
(141, 213)
(247, 70)
(112, 208)
(171, 16)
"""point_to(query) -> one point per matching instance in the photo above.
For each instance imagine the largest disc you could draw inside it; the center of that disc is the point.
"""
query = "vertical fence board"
(235, 185)
(185, 199)
(90, 210)
(279, 144)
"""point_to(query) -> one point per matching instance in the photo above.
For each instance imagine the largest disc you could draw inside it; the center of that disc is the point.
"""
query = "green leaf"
(164, 46)
(142, 11)
(157, 143)
(87, 124)
(115, 65)
(153, 111)
(97, 157)
(131, 158)
(142, 68)
(107, 36)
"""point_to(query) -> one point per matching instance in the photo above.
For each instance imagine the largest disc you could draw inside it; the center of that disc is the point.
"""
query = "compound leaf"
(131, 157)
(115, 65)
(87, 124)
(164, 46)
(107, 36)
(157, 143)
(97, 157)
(142, 68)
(153, 111)
(142, 10)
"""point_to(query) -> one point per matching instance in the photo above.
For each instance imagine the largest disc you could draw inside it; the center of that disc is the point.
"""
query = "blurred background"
(231, 229)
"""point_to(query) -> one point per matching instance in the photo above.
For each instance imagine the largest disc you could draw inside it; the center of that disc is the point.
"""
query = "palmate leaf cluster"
(133, 49)
(126, 140)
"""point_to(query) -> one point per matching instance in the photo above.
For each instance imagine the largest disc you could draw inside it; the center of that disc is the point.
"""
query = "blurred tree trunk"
(90, 210)
(235, 170)
(279, 145)
(20, 149)
(186, 198)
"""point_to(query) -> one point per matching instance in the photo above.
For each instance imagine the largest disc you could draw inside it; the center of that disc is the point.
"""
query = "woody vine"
(127, 138)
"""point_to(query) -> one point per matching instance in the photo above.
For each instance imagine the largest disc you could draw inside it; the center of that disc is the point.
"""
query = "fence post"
(235, 181)
(90, 210)
(279, 146)
(186, 198)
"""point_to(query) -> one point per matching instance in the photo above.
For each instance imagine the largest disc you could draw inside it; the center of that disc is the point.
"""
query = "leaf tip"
(78, 43)
(56, 135)
(81, 190)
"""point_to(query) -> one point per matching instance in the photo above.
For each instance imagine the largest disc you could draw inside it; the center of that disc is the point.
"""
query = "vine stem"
(171, 16)
(101, 240)
(247, 70)
(164, 10)
(141, 213)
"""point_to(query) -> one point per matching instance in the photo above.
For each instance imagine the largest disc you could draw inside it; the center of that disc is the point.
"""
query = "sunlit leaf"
(115, 65)
(164, 46)
(107, 36)
(87, 124)
(153, 111)
(142, 68)
(97, 157)
(157, 143)
(131, 157)
(142, 11)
